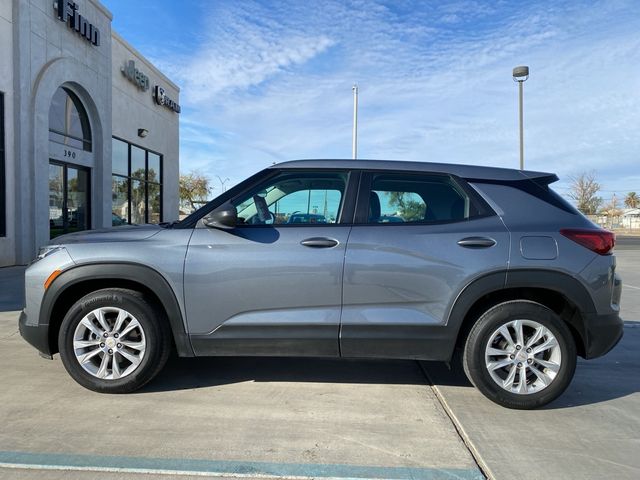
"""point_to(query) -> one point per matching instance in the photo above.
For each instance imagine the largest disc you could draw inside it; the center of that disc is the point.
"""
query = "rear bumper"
(603, 332)
(36, 335)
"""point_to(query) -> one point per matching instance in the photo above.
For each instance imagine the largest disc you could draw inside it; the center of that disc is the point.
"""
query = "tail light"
(599, 241)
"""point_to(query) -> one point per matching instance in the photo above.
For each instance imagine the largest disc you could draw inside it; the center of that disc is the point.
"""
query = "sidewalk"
(12, 288)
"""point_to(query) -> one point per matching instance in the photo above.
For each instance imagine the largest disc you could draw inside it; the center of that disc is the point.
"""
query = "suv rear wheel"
(520, 354)
(113, 341)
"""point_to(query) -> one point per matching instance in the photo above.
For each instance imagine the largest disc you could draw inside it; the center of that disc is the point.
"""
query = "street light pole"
(222, 182)
(520, 75)
(354, 145)
(520, 89)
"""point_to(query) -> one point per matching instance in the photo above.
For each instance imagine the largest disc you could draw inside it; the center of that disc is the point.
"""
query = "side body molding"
(131, 272)
(568, 286)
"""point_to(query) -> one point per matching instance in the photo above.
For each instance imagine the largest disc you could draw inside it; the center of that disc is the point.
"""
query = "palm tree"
(632, 200)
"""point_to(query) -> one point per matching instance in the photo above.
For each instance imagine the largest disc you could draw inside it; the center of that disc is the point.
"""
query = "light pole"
(520, 75)
(354, 145)
(222, 182)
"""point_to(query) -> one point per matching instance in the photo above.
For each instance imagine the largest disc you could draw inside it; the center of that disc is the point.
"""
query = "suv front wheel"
(114, 341)
(520, 354)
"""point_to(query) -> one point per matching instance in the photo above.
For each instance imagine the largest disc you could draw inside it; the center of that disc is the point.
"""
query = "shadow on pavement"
(615, 375)
(612, 376)
(190, 373)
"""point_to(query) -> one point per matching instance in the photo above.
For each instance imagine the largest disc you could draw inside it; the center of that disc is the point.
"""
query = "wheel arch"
(560, 292)
(74, 283)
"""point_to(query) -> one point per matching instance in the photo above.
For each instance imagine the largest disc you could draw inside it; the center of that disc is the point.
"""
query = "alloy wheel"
(109, 343)
(523, 357)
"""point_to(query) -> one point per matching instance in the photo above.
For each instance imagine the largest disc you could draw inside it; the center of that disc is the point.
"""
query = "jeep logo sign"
(162, 99)
(135, 76)
(67, 11)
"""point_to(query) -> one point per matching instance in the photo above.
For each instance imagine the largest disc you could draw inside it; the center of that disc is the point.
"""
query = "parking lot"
(311, 418)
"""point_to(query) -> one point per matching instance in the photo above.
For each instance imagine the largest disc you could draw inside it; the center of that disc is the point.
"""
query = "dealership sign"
(135, 76)
(67, 11)
(161, 99)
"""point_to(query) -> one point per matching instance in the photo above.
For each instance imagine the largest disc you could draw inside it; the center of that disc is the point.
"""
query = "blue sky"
(263, 82)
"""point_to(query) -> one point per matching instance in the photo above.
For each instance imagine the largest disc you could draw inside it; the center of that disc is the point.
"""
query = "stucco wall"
(134, 108)
(38, 54)
(7, 243)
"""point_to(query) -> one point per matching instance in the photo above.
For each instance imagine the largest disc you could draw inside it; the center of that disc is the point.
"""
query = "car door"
(273, 284)
(417, 240)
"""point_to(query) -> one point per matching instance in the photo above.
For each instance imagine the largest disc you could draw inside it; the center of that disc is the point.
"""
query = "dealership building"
(88, 127)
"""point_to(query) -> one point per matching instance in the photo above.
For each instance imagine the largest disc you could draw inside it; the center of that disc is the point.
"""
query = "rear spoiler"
(542, 179)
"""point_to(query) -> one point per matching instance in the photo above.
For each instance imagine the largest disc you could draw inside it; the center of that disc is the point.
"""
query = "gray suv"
(411, 260)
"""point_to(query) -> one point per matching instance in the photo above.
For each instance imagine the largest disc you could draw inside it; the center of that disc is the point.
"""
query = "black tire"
(156, 333)
(478, 373)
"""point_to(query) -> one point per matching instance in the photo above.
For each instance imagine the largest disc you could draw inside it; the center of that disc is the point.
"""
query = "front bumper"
(36, 335)
(603, 332)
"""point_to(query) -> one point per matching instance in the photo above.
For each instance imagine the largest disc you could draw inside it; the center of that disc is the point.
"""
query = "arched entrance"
(69, 182)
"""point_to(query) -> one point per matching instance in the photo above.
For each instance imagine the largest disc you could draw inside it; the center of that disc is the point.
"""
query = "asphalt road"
(306, 418)
(627, 242)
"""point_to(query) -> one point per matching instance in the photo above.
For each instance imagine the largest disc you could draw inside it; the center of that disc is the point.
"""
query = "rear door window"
(417, 198)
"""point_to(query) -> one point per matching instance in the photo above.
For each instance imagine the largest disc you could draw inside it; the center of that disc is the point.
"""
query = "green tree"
(194, 189)
(409, 208)
(632, 200)
(584, 191)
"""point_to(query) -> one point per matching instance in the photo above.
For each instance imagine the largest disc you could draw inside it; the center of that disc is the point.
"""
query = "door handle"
(477, 242)
(319, 242)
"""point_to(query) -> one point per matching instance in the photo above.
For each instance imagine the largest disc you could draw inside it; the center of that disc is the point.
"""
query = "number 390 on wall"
(69, 153)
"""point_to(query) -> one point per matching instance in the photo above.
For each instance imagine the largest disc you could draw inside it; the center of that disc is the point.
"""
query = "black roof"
(468, 172)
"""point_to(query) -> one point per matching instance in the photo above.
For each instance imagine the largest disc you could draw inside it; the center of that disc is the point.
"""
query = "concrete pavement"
(591, 432)
(265, 417)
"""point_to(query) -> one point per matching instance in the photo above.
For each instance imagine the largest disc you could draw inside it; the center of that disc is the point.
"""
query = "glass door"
(69, 197)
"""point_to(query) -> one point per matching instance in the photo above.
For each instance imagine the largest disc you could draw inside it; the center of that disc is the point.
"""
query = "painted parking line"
(630, 286)
(222, 468)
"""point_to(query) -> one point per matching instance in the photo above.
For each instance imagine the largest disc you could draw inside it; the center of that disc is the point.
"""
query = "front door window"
(294, 198)
(68, 199)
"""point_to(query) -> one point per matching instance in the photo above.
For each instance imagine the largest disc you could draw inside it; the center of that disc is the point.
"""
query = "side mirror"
(225, 217)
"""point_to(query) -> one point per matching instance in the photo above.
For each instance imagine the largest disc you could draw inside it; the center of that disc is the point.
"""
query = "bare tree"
(194, 189)
(632, 200)
(612, 208)
(584, 191)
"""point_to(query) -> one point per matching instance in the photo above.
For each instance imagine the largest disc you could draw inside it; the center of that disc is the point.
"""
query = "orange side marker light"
(51, 278)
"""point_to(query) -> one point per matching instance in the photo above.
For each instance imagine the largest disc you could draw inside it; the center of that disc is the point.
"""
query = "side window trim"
(362, 207)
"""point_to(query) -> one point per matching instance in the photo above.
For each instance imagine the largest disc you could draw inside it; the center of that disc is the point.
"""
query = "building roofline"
(105, 11)
(143, 59)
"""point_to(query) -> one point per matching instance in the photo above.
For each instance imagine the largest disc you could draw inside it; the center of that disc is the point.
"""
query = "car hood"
(119, 234)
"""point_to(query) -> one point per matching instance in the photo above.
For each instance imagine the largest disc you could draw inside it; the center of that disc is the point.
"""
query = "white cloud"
(273, 83)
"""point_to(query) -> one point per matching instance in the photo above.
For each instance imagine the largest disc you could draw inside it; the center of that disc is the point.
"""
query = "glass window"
(294, 198)
(77, 199)
(136, 185)
(153, 171)
(153, 197)
(120, 157)
(417, 199)
(120, 205)
(56, 200)
(3, 205)
(138, 204)
(68, 120)
(69, 208)
(138, 167)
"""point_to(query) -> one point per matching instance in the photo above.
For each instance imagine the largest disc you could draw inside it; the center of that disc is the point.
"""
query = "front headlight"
(46, 251)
